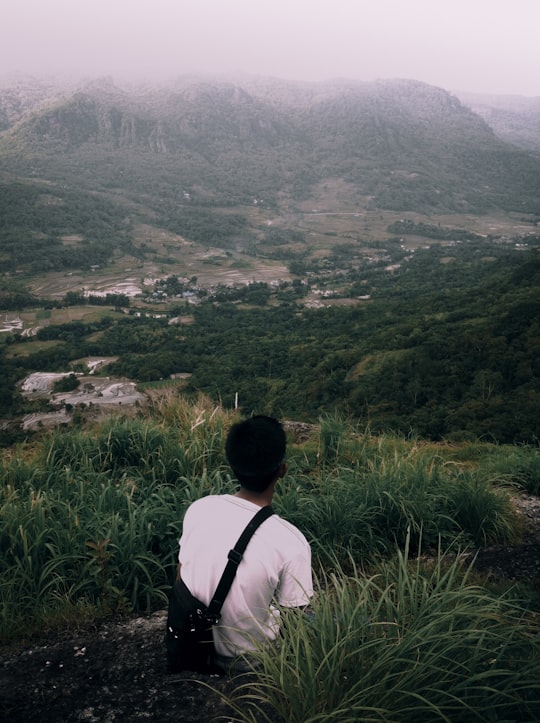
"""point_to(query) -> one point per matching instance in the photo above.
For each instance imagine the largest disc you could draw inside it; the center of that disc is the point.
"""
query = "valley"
(322, 230)
(351, 225)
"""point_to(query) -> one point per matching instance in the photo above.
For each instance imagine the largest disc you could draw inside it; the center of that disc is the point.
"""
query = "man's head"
(255, 449)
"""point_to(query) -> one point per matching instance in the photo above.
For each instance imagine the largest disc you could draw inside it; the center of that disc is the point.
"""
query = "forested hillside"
(404, 144)
(424, 357)
(514, 118)
(440, 349)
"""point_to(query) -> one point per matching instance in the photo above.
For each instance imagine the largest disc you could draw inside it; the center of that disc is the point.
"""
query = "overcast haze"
(488, 46)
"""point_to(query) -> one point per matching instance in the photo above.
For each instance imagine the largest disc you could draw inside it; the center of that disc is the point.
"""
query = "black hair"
(255, 450)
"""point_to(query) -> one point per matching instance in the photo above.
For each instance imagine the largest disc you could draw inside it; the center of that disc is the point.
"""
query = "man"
(277, 561)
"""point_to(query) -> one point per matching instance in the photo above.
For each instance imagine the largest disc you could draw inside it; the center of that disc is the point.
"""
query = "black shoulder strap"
(234, 557)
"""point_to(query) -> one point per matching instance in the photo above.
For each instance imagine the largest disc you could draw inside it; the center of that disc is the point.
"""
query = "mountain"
(514, 118)
(21, 94)
(400, 144)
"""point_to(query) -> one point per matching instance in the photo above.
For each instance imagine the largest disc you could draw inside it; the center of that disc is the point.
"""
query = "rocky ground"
(516, 562)
(116, 671)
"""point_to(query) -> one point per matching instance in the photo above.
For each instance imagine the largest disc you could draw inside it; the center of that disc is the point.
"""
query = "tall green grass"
(519, 467)
(72, 539)
(370, 505)
(410, 643)
(92, 517)
(515, 466)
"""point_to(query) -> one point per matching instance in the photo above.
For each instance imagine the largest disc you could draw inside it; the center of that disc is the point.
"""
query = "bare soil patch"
(113, 672)
(98, 393)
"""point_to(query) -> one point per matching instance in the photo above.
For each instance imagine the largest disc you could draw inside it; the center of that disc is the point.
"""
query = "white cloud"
(484, 45)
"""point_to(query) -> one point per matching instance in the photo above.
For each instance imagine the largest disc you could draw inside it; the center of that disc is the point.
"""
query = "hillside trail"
(116, 671)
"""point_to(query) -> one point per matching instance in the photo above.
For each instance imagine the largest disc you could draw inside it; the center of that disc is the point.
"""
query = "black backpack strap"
(234, 557)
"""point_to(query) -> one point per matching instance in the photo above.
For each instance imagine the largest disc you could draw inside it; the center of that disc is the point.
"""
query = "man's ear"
(283, 467)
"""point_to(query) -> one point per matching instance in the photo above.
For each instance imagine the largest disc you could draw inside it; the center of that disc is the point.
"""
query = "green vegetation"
(38, 219)
(440, 350)
(409, 642)
(91, 519)
(202, 225)
(405, 145)
(342, 188)
(408, 227)
(399, 627)
(66, 384)
(14, 295)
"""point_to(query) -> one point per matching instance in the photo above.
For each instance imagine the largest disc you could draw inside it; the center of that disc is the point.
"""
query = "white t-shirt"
(276, 566)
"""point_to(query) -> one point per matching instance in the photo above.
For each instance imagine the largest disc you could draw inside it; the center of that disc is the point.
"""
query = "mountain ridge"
(515, 119)
(400, 142)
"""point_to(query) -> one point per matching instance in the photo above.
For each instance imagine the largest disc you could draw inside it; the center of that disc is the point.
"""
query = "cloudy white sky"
(490, 46)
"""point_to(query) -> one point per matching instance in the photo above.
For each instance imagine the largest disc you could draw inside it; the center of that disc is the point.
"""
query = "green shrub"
(408, 644)
(484, 512)
(365, 509)
(518, 466)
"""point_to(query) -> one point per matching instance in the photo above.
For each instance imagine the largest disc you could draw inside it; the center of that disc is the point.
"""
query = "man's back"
(276, 565)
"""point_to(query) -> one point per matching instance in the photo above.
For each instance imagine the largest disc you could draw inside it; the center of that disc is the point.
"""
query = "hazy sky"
(490, 46)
